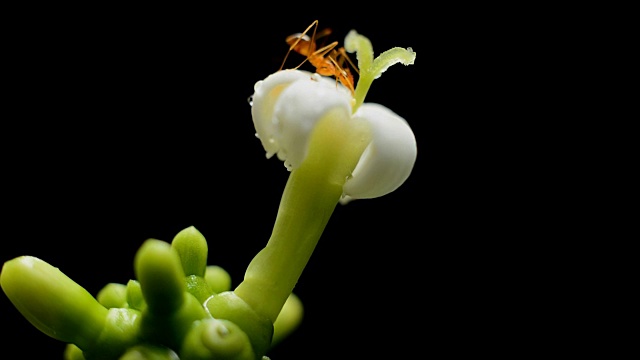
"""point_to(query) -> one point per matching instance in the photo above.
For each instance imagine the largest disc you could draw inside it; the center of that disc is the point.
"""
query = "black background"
(126, 124)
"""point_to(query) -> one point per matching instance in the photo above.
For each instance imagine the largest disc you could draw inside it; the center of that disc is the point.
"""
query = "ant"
(331, 65)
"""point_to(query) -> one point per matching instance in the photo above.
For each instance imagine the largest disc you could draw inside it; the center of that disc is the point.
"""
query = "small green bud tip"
(218, 279)
(149, 352)
(288, 320)
(113, 296)
(120, 332)
(134, 295)
(229, 306)
(51, 301)
(192, 249)
(72, 352)
(159, 271)
(198, 287)
(217, 339)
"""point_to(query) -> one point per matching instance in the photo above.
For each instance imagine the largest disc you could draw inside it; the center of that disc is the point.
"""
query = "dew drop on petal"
(250, 100)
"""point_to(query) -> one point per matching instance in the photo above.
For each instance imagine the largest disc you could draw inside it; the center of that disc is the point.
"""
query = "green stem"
(310, 197)
(307, 205)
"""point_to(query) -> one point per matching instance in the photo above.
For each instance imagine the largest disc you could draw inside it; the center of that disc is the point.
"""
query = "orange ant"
(331, 65)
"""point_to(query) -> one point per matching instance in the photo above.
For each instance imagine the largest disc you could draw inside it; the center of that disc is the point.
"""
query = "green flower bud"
(52, 302)
(158, 268)
(288, 320)
(170, 309)
(134, 295)
(216, 339)
(72, 352)
(113, 296)
(218, 279)
(121, 331)
(170, 329)
(192, 248)
(149, 352)
(227, 305)
(198, 287)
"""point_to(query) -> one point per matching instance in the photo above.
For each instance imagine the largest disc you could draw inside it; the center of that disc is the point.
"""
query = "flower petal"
(388, 160)
(266, 93)
(286, 107)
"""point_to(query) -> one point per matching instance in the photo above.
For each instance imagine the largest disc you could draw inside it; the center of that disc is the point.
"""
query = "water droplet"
(250, 100)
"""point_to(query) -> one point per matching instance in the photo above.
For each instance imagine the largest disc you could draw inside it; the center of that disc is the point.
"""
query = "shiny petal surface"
(286, 107)
(388, 160)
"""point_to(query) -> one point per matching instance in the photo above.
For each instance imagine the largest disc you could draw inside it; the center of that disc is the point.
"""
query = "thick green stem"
(310, 197)
(276, 269)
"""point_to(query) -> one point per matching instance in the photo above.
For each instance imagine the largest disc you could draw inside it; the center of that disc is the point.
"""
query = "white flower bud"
(388, 160)
(288, 104)
(266, 94)
(286, 107)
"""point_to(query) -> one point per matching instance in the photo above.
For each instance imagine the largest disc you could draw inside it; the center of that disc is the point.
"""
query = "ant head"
(298, 37)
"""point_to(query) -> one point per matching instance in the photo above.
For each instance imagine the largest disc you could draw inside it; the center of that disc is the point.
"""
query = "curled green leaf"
(361, 45)
(371, 69)
(392, 56)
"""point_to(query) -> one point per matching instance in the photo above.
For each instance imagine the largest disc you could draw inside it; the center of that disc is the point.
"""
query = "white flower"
(288, 104)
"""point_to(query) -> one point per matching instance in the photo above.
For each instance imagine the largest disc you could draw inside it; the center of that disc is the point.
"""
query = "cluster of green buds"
(178, 308)
(336, 147)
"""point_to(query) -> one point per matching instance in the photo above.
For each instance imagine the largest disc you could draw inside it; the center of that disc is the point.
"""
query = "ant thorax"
(328, 60)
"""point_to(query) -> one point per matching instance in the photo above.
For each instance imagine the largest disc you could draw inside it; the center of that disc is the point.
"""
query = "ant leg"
(343, 55)
(342, 75)
(323, 34)
(324, 50)
(300, 37)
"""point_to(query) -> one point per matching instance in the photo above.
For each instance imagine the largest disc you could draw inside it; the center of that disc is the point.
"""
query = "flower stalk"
(310, 197)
